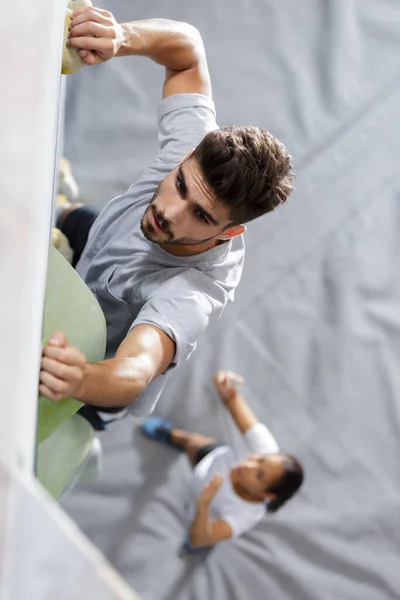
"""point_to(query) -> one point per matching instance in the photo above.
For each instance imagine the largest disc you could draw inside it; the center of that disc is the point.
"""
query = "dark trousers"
(76, 227)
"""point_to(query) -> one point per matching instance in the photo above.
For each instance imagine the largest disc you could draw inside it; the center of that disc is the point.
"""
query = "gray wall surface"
(315, 328)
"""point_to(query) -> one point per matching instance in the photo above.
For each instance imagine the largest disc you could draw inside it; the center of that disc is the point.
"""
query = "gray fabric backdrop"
(315, 327)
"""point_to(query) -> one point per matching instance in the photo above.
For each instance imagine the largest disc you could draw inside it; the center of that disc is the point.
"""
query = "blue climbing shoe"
(158, 429)
(194, 549)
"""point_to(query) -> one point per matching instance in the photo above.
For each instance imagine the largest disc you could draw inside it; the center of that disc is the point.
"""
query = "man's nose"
(175, 211)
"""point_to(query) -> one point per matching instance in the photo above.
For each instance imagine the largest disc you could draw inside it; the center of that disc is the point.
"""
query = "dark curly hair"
(247, 169)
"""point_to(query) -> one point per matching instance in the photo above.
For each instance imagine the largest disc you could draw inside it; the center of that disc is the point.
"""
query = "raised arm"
(176, 46)
(226, 384)
(145, 353)
(258, 436)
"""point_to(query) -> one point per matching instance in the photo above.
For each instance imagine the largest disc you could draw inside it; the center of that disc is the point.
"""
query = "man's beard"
(150, 233)
(147, 229)
(189, 241)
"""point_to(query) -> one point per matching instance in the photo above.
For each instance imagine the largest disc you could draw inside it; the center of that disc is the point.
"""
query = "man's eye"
(201, 216)
(179, 183)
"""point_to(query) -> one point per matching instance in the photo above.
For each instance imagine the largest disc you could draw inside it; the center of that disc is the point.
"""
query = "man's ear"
(232, 232)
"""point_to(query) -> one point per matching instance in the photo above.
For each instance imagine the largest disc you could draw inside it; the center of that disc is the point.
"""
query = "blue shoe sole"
(194, 550)
(157, 429)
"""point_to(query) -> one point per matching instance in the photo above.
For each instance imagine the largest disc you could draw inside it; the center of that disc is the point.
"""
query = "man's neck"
(192, 250)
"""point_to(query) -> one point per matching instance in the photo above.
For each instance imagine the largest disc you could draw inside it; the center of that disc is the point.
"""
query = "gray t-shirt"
(134, 280)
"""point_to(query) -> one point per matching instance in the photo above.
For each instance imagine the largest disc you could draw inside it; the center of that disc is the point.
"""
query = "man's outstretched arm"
(175, 45)
(145, 353)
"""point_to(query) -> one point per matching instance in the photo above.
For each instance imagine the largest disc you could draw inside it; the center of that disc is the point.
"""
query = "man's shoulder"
(183, 121)
(224, 264)
(188, 102)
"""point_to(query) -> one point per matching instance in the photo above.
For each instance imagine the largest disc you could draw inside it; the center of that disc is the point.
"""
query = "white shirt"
(227, 505)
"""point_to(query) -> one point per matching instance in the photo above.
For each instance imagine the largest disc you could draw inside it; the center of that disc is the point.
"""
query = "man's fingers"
(90, 13)
(70, 355)
(53, 352)
(62, 368)
(48, 393)
(91, 43)
(58, 339)
(58, 386)
(55, 367)
(90, 28)
(89, 58)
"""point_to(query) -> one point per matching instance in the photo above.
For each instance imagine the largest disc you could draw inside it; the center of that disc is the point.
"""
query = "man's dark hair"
(288, 485)
(247, 169)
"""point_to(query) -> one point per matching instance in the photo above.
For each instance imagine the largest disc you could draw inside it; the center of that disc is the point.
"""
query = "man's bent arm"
(145, 353)
(175, 45)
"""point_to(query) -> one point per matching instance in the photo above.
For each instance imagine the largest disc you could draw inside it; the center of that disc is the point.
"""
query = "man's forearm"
(241, 413)
(175, 45)
(200, 530)
(113, 382)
